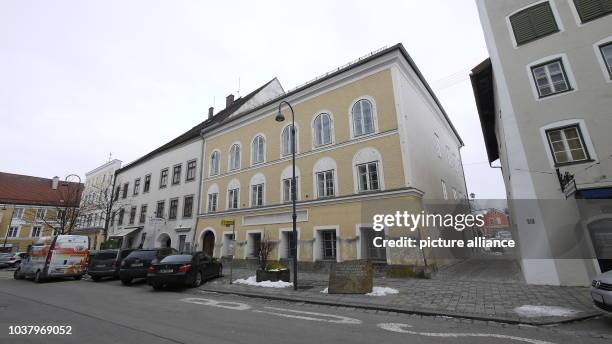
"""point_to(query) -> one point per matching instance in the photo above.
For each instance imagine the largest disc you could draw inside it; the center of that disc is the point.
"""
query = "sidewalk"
(440, 296)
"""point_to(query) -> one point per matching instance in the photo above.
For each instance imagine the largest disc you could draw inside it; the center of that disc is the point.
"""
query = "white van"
(67, 257)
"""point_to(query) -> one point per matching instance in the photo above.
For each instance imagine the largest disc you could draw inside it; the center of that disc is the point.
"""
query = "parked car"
(106, 263)
(135, 265)
(183, 269)
(601, 292)
(12, 260)
(67, 257)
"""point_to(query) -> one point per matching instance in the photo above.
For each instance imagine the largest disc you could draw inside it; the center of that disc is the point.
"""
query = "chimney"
(210, 112)
(55, 183)
(229, 100)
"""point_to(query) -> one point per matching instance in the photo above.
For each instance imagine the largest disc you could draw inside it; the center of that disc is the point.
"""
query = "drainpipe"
(199, 195)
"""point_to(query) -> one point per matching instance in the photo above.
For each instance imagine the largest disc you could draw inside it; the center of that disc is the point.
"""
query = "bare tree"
(67, 209)
(265, 248)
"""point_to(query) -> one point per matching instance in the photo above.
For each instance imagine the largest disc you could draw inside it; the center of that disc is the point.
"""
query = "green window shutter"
(533, 22)
(592, 9)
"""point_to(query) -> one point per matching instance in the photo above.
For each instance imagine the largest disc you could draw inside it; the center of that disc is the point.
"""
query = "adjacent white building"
(545, 103)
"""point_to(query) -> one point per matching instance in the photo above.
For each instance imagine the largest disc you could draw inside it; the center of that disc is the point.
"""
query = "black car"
(106, 263)
(183, 269)
(135, 265)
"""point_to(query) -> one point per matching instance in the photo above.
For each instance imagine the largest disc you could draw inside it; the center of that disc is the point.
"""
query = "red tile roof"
(28, 190)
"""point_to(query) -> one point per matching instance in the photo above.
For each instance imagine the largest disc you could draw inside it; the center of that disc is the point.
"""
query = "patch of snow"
(324, 291)
(531, 311)
(266, 284)
(382, 291)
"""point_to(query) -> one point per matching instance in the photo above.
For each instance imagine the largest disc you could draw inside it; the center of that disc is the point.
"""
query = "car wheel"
(17, 274)
(78, 277)
(96, 278)
(126, 281)
(157, 286)
(38, 277)
(197, 281)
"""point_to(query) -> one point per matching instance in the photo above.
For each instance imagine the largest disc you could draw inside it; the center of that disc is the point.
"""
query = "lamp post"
(280, 118)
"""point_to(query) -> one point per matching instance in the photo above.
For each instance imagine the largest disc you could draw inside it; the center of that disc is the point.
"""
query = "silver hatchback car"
(601, 292)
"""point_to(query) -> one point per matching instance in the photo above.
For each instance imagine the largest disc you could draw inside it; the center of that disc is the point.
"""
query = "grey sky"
(82, 79)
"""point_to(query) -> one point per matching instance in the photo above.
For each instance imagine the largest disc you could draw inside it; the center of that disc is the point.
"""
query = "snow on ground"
(531, 311)
(376, 291)
(266, 284)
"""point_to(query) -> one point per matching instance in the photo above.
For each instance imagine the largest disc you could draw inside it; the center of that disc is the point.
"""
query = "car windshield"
(143, 254)
(177, 258)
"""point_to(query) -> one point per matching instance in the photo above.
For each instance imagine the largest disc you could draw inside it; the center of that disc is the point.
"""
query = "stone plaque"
(351, 277)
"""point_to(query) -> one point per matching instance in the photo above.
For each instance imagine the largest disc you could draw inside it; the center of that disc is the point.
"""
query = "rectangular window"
(257, 195)
(176, 174)
(173, 209)
(325, 183)
(550, 78)
(533, 23)
(289, 243)
(159, 212)
(121, 214)
(328, 244)
(287, 190)
(567, 145)
(143, 213)
(188, 206)
(368, 176)
(372, 252)
(592, 9)
(455, 196)
(17, 213)
(163, 178)
(125, 190)
(40, 213)
(132, 215)
(136, 186)
(253, 244)
(212, 202)
(117, 191)
(35, 232)
(191, 170)
(147, 183)
(232, 197)
(606, 54)
(13, 232)
(444, 193)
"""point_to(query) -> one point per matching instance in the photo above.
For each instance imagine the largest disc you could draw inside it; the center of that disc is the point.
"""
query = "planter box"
(274, 276)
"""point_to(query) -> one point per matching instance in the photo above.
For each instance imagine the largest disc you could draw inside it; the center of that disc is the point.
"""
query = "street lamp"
(280, 118)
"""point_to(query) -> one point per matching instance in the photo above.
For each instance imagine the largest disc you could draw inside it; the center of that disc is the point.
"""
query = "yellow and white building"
(372, 131)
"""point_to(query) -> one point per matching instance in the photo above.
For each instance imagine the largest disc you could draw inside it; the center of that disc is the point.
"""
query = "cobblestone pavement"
(473, 299)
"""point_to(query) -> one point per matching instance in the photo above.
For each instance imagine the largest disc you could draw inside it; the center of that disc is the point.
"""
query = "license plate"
(166, 271)
(100, 266)
(137, 264)
(597, 297)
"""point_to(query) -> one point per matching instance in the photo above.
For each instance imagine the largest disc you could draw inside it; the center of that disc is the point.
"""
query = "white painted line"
(331, 318)
(237, 306)
(401, 328)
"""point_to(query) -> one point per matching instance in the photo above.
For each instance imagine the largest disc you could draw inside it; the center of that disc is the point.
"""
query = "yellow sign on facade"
(227, 223)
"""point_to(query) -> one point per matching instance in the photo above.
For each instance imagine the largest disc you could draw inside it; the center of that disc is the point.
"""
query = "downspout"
(199, 195)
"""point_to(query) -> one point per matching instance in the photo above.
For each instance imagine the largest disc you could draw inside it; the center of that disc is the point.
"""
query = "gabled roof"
(195, 131)
(482, 85)
(20, 189)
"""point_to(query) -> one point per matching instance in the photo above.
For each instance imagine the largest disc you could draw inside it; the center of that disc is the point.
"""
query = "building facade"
(96, 202)
(370, 132)
(544, 100)
(32, 207)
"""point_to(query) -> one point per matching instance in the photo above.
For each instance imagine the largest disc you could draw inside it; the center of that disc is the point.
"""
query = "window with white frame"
(550, 78)
(214, 163)
(455, 196)
(363, 117)
(232, 198)
(438, 146)
(287, 140)
(188, 206)
(288, 190)
(567, 145)
(328, 244)
(444, 193)
(325, 184)
(253, 245)
(212, 202)
(606, 54)
(369, 251)
(17, 213)
(191, 169)
(257, 195)
(13, 232)
(40, 213)
(258, 150)
(322, 130)
(533, 23)
(235, 157)
(592, 9)
(287, 243)
(368, 176)
(35, 231)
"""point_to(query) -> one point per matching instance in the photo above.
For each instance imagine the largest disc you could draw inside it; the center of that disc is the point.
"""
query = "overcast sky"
(81, 79)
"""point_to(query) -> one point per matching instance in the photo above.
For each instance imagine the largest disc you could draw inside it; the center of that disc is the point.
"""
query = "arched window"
(214, 163)
(235, 157)
(363, 118)
(287, 140)
(322, 130)
(258, 150)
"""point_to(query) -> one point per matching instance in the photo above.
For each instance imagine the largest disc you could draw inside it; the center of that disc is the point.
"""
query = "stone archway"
(208, 243)
(163, 240)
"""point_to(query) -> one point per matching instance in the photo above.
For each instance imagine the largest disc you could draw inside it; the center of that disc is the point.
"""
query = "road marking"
(401, 328)
(214, 303)
(331, 318)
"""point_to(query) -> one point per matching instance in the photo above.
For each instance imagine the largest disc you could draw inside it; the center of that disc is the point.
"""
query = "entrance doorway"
(601, 236)
(164, 240)
(208, 243)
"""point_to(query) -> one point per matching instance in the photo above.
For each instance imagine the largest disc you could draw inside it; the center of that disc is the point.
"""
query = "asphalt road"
(107, 312)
